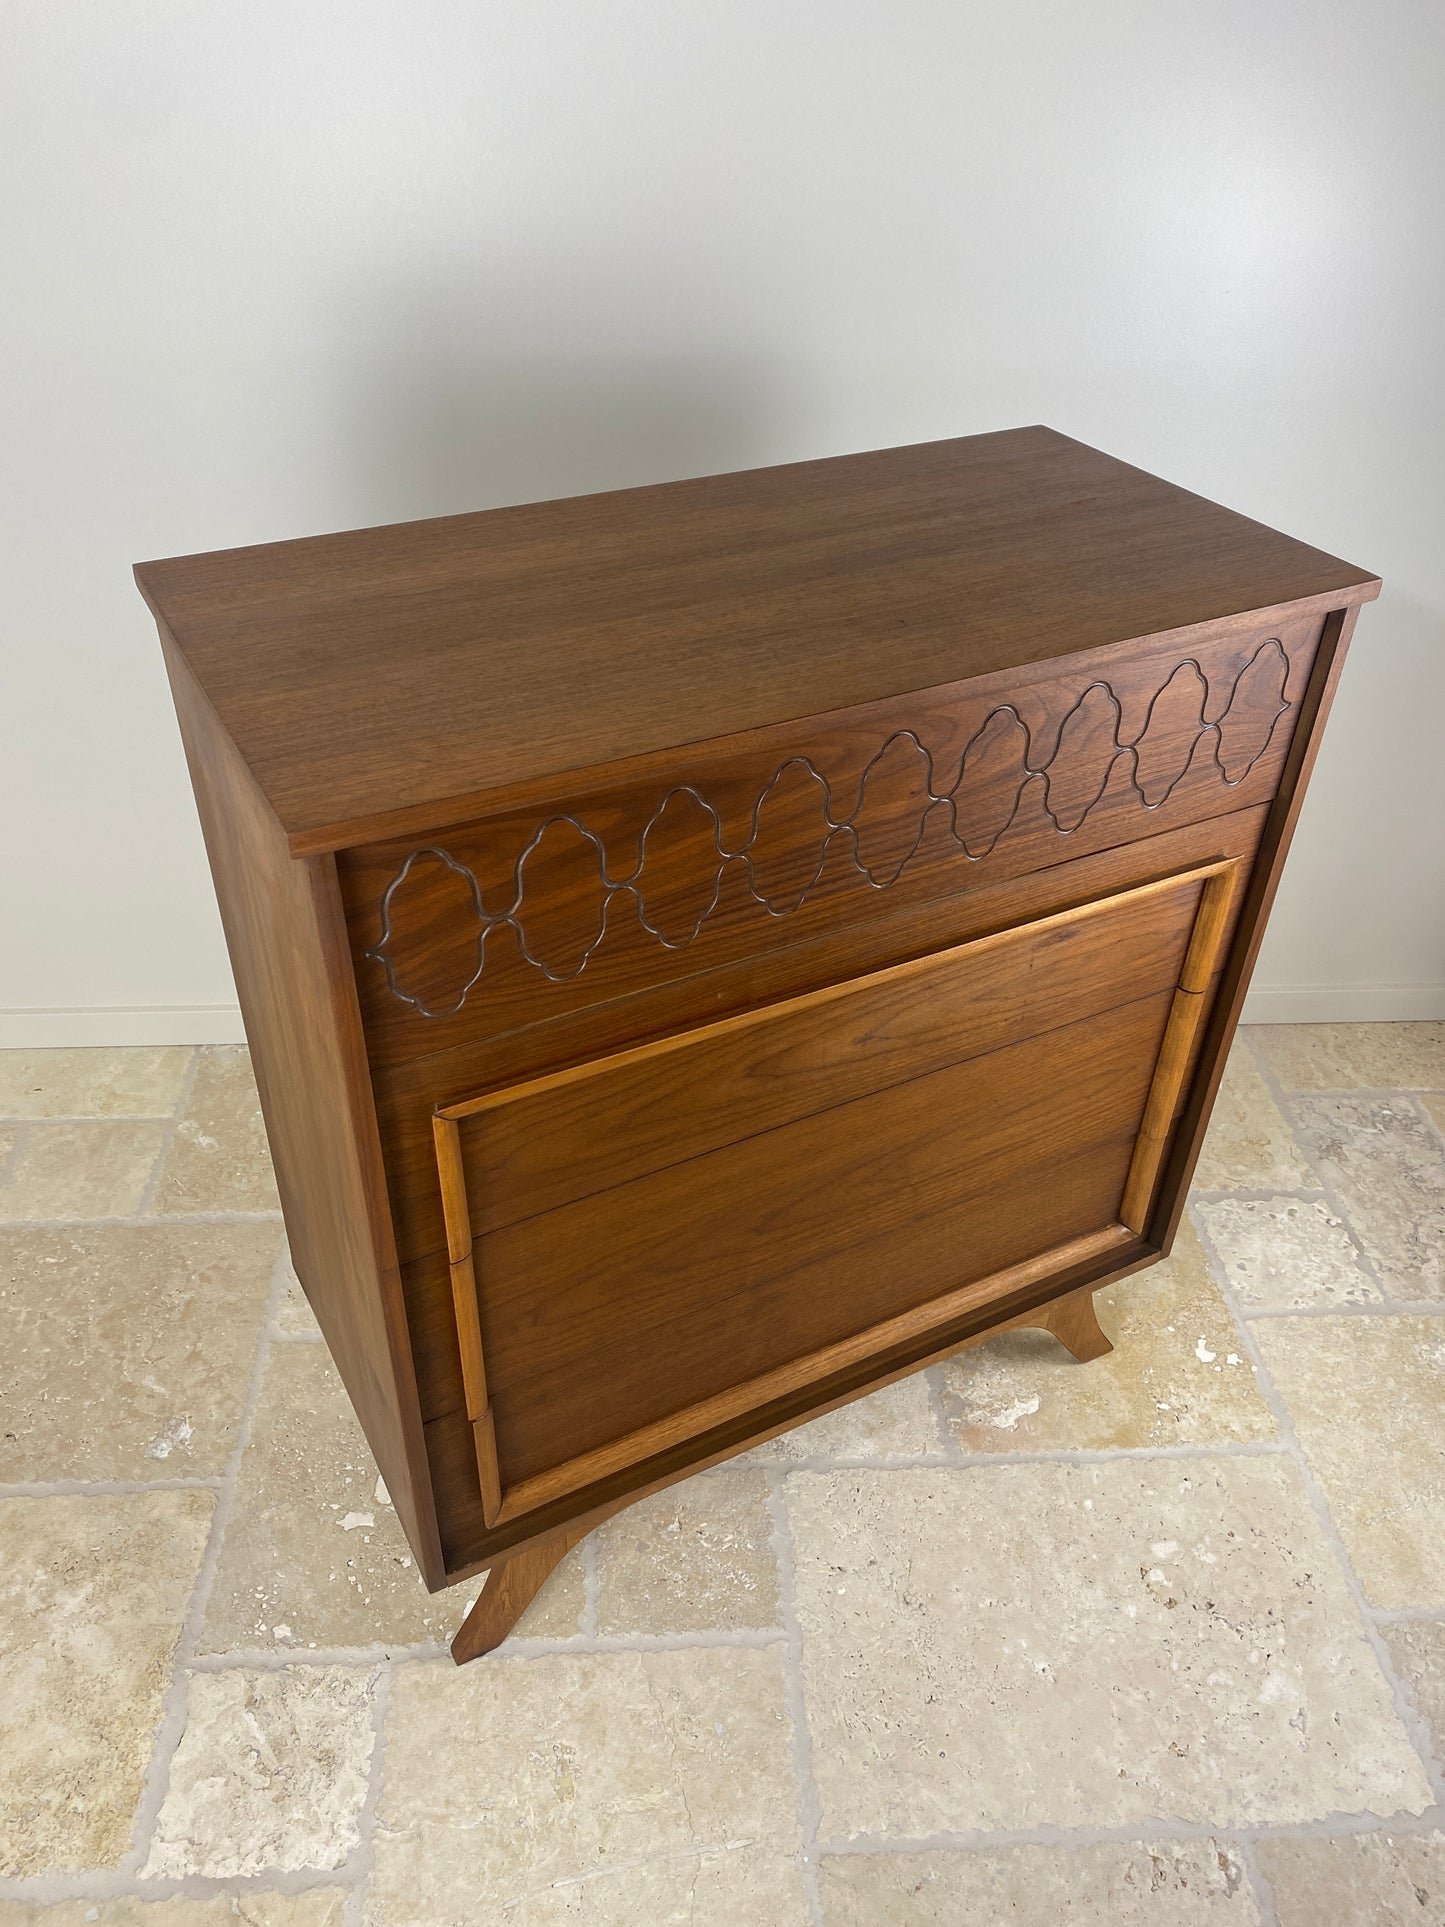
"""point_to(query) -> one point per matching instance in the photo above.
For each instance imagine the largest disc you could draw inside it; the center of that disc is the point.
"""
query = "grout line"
(284, 1659)
(97, 1885)
(183, 1097)
(313, 1338)
(1415, 1728)
(173, 1720)
(978, 1461)
(94, 1117)
(515, 1646)
(1351, 1308)
(363, 1856)
(591, 1585)
(280, 1659)
(1311, 1163)
(1258, 1882)
(105, 1488)
(138, 1224)
(1341, 1090)
(1266, 1194)
(1146, 1830)
(753, 1638)
(809, 1804)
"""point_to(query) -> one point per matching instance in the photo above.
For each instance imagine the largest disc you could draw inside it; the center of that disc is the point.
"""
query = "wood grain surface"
(471, 1545)
(387, 677)
(685, 1106)
(553, 1140)
(607, 1314)
(594, 874)
(521, 917)
(409, 1095)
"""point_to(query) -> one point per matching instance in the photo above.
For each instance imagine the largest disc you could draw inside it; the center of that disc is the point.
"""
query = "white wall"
(272, 267)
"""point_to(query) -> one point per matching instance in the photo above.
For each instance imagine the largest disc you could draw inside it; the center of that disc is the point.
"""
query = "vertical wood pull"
(467, 1311)
(1181, 1033)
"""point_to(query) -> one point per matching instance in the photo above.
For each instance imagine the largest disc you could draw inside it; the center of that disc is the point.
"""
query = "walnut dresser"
(709, 949)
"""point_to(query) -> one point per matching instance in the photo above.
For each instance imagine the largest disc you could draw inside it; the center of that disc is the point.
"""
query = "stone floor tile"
(312, 1555)
(294, 1315)
(1085, 1645)
(93, 1591)
(98, 1168)
(1388, 1170)
(1417, 1648)
(694, 1558)
(1367, 1396)
(1178, 1373)
(127, 1348)
(9, 1137)
(1248, 1146)
(593, 1786)
(270, 1774)
(1435, 1110)
(1175, 1883)
(218, 1160)
(1342, 1057)
(1360, 1880)
(897, 1422)
(1286, 1252)
(130, 1081)
(315, 1907)
(738, 1885)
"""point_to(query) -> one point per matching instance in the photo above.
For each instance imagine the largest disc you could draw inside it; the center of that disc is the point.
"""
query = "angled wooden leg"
(511, 1587)
(1075, 1324)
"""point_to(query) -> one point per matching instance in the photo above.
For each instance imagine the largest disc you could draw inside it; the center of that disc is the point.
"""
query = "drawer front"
(409, 1094)
(656, 1241)
(745, 849)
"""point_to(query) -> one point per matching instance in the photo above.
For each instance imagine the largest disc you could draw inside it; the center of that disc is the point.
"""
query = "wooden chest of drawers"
(709, 949)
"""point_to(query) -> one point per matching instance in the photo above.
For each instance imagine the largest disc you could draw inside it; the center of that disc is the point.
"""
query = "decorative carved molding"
(1075, 775)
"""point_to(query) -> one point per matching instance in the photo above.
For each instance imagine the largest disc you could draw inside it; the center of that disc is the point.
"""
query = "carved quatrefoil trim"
(1054, 770)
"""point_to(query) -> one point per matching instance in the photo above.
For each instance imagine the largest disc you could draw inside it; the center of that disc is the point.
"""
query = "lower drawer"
(651, 1243)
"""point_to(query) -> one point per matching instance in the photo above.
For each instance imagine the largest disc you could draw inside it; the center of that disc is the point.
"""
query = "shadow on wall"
(465, 410)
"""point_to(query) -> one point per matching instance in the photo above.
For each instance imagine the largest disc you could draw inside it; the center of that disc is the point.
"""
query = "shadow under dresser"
(709, 949)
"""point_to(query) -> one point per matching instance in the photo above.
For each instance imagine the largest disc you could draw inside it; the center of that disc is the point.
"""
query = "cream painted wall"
(277, 268)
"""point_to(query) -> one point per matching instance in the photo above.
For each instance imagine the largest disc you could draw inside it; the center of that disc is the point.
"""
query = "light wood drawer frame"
(1221, 880)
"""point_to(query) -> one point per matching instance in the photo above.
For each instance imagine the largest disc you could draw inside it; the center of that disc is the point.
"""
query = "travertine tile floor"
(1157, 1639)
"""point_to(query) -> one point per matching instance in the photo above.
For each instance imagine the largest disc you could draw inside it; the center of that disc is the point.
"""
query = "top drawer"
(724, 850)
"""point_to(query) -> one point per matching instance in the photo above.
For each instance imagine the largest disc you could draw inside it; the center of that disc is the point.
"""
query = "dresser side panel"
(287, 941)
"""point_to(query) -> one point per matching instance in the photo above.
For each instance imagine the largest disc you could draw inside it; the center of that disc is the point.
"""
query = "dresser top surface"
(385, 672)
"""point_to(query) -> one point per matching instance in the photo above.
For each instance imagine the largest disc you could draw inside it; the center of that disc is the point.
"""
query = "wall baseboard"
(121, 1024)
(1344, 1004)
(221, 1023)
